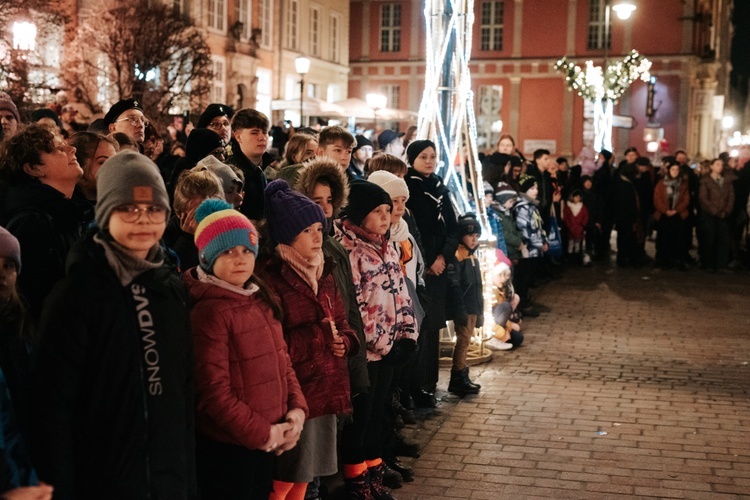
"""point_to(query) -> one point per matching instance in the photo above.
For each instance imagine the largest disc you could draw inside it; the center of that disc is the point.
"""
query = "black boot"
(377, 490)
(391, 477)
(358, 488)
(466, 375)
(460, 383)
(393, 462)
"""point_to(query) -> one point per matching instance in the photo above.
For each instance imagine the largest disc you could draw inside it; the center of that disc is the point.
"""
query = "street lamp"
(376, 102)
(623, 9)
(302, 65)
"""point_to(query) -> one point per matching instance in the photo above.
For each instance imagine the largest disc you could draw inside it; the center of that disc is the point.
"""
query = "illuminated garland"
(591, 84)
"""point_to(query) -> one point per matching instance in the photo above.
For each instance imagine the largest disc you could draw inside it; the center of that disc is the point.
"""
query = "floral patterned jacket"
(382, 296)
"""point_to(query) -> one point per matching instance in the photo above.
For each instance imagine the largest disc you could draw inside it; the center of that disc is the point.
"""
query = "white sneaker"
(586, 259)
(496, 344)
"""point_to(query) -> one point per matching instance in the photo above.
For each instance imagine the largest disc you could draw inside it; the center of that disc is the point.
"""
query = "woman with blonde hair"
(300, 148)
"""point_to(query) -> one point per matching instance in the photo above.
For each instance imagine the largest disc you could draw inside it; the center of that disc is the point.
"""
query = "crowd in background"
(189, 315)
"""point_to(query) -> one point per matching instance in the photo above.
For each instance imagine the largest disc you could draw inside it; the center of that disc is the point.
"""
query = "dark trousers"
(670, 241)
(524, 275)
(713, 242)
(229, 472)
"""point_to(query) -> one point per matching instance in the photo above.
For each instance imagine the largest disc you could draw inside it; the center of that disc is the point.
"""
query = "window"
(390, 27)
(266, 22)
(492, 25)
(263, 89)
(335, 38)
(181, 7)
(314, 31)
(217, 14)
(219, 88)
(292, 20)
(242, 8)
(596, 26)
(391, 92)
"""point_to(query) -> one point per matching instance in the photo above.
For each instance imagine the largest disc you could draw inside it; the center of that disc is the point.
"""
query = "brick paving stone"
(657, 360)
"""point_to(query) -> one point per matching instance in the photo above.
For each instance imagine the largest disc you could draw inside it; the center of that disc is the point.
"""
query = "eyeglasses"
(131, 213)
(219, 125)
(135, 120)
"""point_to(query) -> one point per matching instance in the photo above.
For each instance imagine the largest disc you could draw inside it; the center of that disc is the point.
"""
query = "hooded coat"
(113, 413)
(307, 177)
(245, 382)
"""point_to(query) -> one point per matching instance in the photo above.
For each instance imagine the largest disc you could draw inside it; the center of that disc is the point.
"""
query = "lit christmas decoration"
(604, 88)
(446, 113)
(446, 117)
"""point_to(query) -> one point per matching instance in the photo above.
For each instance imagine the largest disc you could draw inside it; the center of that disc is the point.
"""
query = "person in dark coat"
(593, 204)
(113, 406)
(716, 197)
(627, 217)
(468, 308)
(603, 180)
(249, 143)
(671, 204)
(42, 172)
(431, 207)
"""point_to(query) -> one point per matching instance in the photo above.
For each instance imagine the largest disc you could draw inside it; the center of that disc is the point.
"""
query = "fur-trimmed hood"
(328, 170)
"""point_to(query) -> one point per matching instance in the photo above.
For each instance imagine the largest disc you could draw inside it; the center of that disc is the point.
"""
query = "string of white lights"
(448, 41)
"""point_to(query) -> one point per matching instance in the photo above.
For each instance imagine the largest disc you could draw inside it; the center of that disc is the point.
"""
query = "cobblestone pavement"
(637, 384)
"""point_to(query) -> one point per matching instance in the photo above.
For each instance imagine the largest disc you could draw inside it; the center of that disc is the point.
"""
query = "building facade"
(515, 46)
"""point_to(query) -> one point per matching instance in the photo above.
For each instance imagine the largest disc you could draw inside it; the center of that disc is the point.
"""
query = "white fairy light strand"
(595, 84)
(430, 123)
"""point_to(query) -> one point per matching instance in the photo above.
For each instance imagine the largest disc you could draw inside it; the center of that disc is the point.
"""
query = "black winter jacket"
(253, 205)
(47, 224)
(113, 404)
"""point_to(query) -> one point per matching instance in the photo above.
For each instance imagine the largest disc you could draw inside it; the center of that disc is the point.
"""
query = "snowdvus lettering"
(150, 351)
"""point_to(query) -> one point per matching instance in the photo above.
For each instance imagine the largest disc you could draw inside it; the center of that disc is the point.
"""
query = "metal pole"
(301, 100)
(607, 9)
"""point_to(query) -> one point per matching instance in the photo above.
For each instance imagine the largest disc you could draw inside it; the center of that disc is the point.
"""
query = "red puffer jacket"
(244, 379)
(324, 377)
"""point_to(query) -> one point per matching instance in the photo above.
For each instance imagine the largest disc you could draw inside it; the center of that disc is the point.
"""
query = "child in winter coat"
(192, 188)
(505, 199)
(576, 218)
(15, 342)
(316, 332)
(529, 222)
(249, 402)
(469, 311)
(505, 301)
(387, 316)
(113, 404)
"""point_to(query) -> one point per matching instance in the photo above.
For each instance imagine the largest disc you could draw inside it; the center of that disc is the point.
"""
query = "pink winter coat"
(382, 296)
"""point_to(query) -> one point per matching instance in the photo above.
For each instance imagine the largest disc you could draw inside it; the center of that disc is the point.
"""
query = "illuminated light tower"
(446, 113)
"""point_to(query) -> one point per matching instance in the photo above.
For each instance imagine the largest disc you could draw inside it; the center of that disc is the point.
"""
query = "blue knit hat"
(221, 227)
(289, 212)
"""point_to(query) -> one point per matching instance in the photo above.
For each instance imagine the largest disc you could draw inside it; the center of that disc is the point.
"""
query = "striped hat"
(221, 227)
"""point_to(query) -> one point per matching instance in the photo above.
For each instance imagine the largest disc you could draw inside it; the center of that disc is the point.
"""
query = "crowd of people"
(677, 201)
(226, 324)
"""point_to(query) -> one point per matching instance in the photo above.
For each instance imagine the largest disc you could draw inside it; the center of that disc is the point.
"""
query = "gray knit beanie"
(7, 104)
(224, 172)
(128, 178)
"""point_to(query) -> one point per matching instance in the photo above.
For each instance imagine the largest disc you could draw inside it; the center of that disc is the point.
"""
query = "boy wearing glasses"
(113, 400)
(126, 116)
